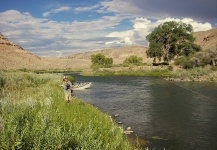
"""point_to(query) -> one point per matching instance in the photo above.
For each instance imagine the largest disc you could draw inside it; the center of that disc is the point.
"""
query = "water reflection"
(166, 114)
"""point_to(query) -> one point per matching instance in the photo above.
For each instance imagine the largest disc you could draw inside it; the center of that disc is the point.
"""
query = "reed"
(33, 115)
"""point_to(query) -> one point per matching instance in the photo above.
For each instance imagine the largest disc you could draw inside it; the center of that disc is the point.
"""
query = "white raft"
(82, 86)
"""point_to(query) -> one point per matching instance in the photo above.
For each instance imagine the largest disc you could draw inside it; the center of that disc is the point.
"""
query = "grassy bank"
(33, 115)
(130, 72)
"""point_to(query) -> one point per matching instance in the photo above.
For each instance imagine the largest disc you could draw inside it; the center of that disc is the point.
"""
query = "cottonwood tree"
(171, 39)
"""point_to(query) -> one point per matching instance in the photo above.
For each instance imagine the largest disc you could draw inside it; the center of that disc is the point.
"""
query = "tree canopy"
(171, 39)
(99, 60)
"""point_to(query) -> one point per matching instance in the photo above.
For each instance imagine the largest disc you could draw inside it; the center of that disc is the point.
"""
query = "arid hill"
(117, 54)
(207, 39)
(15, 57)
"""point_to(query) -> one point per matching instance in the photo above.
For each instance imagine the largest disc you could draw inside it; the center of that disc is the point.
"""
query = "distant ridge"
(15, 57)
(118, 54)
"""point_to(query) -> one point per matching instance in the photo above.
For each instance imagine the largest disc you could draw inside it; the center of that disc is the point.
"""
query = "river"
(174, 116)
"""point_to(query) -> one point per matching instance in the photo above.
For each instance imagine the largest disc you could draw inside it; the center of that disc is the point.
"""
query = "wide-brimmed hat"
(65, 77)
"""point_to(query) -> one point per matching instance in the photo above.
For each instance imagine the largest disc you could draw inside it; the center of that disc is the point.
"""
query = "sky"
(56, 28)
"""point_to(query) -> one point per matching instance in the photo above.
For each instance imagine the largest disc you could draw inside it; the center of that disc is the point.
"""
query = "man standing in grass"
(67, 86)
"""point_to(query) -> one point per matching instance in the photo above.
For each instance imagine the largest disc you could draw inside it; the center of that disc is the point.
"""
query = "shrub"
(180, 60)
(214, 68)
(135, 60)
(99, 60)
(170, 68)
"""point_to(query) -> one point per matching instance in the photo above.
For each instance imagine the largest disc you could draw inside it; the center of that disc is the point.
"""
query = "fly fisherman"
(67, 86)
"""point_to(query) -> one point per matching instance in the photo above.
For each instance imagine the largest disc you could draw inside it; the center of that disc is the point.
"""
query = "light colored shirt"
(67, 87)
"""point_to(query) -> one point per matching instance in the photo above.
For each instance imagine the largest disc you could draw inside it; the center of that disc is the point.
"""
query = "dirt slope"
(15, 57)
(207, 39)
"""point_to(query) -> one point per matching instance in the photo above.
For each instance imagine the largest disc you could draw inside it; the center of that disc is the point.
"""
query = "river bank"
(33, 115)
(170, 73)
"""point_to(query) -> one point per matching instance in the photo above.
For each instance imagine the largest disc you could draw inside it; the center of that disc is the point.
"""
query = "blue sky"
(63, 27)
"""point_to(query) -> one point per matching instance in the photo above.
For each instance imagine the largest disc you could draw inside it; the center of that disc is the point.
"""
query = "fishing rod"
(208, 98)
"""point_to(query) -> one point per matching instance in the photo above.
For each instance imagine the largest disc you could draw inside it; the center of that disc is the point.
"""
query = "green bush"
(100, 61)
(170, 68)
(135, 60)
(95, 66)
(214, 68)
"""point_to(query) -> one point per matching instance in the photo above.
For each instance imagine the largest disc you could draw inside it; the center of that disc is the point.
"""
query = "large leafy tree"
(171, 39)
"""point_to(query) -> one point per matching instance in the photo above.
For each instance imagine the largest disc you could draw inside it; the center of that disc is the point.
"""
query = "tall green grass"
(153, 72)
(34, 115)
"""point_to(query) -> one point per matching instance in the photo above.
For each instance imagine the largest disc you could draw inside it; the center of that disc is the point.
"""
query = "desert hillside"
(15, 57)
(207, 39)
(117, 54)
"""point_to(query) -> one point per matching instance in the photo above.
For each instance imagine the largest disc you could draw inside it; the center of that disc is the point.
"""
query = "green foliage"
(214, 68)
(171, 39)
(200, 59)
(170, 68)
(36, 117)
(105, 73)
(100, 61)
(135, 60)
(206, 58)
(193, 73)
(71, 79)
(179, 60)
(95, 66)
(159, 72)
(131, 72)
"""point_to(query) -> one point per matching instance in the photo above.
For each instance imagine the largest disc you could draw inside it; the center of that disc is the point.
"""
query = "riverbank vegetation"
(174, 53)
(130, 71)
(33, 115)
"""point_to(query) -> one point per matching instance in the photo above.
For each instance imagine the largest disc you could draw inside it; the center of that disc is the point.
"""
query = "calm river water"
(171, 116)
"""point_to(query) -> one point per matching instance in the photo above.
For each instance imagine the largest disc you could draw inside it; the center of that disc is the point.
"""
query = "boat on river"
(82, 86)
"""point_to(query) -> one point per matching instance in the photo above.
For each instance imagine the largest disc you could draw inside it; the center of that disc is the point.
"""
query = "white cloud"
(125, 37)
(120, 7)
(85, 9)
(54, 11)
(39, 35)
(47, 37)
(196, 9)
(198, 26)
(142, 27)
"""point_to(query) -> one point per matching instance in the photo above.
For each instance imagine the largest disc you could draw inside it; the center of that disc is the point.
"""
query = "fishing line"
(208, 98)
